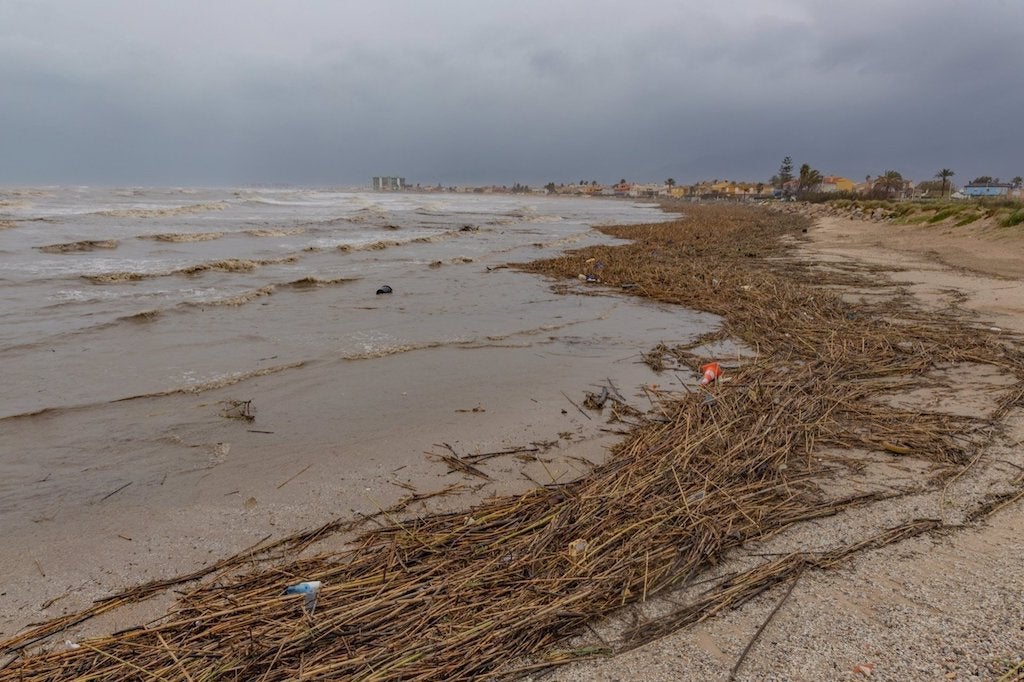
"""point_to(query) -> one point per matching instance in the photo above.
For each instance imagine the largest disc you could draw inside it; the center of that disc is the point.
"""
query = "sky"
(332, 92)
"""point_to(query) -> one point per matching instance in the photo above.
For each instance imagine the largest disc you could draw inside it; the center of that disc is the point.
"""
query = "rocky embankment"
(853, 212)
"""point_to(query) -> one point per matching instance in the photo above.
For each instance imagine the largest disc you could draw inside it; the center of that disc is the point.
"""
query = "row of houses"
(716, 188)
(707, 188)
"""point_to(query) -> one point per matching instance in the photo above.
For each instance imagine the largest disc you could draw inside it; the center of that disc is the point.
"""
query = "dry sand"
(940, 607)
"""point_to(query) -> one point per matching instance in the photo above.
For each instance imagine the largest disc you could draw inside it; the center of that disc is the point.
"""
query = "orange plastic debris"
(712, 371)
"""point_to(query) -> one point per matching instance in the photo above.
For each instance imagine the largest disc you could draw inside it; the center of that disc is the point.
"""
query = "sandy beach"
(939, 608)
(335, 440)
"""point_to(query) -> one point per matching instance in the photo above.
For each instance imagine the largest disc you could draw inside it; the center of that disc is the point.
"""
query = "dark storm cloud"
(328, 92)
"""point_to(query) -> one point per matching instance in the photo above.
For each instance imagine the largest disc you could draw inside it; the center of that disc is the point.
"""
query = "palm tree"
(945, 174)
(671, 182)
(890, 181)
(809, 178)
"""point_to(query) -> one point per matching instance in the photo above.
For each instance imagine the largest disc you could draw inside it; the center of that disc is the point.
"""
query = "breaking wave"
(432, 208)
(276, 232)
(144, 316)
(87, 245)
(240, 299)
(388, 243)
(233, 265)
(117, 277)
(222, 382)
(316, 282)
(372, 246)
(162, 212)
(184, 236)
(225, 265)
(384, 351)
(435, 238)
(457, 260)
(228, 380)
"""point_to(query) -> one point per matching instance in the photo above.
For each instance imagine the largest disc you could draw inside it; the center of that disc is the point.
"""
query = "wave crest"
(276, 232)
(86, 245)
(162, 212)
(144, 316)
(233, 265)
(316, 282)
(240, 299)
(225, 265)
(184, 236)
(116, 277)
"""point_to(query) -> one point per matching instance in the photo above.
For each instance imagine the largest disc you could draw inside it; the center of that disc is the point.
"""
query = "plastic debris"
(310, 590)
(578, 547)
(711, 371)
(864, 669)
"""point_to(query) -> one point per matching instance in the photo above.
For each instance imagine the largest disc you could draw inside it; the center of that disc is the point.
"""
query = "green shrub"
(967, 219)
(905, 209)
(1000, 202)
(944, 213)
(1014, 218)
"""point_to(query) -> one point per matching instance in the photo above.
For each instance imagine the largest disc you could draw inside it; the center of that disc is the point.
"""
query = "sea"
(113, 293)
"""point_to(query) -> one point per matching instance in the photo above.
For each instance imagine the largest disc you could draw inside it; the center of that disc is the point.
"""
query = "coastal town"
(808, 184)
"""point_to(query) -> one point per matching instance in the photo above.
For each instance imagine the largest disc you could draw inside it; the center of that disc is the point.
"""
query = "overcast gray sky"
(332, 92)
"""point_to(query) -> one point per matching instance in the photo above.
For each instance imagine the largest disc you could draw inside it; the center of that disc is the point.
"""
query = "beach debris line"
(384, 290)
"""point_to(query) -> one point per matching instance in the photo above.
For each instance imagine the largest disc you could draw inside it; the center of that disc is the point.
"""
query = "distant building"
(988, 189)
(835, 183)
(383, 183)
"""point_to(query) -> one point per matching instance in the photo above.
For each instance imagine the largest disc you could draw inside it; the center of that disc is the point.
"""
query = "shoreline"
(180, 485)
(722, 650)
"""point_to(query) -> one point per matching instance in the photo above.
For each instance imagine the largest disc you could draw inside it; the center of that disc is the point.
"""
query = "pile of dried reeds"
(459, 596)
